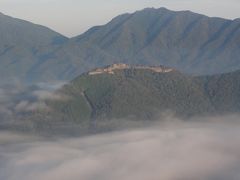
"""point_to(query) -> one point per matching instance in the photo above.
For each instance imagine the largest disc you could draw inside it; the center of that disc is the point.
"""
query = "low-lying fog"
(18, 98)
(169, 151)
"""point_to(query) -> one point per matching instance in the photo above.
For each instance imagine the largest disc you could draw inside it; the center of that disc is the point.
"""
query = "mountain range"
(189, 42)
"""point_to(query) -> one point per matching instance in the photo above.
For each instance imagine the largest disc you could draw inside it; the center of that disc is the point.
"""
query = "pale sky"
(72, 17)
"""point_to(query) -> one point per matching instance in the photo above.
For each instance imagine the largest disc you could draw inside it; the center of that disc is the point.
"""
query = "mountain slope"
(110, 97)
(187, 41)
(137, 93)
(144, 93)
(22, 45)
(116, 96)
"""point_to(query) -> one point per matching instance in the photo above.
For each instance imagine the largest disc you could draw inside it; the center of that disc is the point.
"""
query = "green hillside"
(120, 96)
(102, 100)
(136, 93)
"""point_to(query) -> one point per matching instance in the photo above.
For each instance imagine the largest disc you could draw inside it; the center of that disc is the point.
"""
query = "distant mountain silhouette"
(189, 42)
(21, 47)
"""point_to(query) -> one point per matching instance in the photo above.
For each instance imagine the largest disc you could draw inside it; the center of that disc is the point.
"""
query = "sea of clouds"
(200, 150)
(18, 98)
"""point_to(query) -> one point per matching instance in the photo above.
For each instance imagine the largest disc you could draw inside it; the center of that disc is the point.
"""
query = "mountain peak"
(157, 10)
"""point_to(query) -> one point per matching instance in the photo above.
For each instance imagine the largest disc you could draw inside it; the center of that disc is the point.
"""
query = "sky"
(73, 17)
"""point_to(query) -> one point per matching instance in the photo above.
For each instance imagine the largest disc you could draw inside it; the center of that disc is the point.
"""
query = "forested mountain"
(110, 97)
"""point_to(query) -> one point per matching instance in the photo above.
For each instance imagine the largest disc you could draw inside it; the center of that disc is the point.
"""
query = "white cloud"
(188, 151)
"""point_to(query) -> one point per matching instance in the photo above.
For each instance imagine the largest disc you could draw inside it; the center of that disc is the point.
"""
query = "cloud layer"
(177, 152)
(19, 100)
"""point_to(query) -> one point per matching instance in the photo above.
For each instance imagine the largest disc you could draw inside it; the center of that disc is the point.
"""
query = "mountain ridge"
(199, 58)
(189, 42)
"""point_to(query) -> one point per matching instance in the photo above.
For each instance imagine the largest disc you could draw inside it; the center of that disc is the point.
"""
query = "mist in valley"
(19, 99)
(205, 148)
